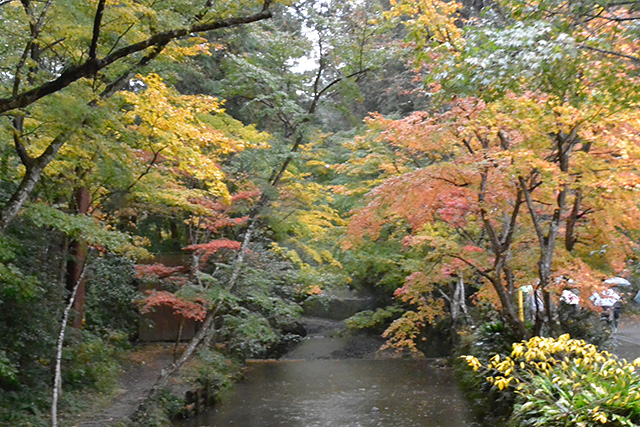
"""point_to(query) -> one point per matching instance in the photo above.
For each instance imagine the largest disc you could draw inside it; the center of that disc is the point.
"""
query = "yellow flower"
(473, 362)
(600, 416)
(502, 382)
(518, 350)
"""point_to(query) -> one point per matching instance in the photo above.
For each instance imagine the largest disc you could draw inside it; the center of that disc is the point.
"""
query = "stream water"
(330, 380)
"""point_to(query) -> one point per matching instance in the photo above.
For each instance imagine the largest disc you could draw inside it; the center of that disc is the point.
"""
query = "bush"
(375, 321)
(92, 363)
(110, 294)
(564, 382)
(216, 368)
(487, 402)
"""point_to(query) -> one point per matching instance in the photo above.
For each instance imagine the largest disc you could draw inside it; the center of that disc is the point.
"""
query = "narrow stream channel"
(334, 381)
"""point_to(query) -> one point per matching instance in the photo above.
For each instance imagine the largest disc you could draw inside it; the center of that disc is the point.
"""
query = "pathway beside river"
(327, 364)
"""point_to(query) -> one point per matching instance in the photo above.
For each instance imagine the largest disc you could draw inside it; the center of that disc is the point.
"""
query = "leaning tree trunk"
(57, 382)
(205, 332)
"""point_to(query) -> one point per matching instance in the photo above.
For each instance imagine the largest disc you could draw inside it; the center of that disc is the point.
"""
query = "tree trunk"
(57, 381)
(77, 259)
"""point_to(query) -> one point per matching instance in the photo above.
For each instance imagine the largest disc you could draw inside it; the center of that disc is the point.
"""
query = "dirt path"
(141, 372)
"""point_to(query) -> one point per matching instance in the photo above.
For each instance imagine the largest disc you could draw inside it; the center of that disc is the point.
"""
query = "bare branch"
(339, 79)
(507, 235)
(467, 144)
(40, 22)
(18, 122)
(526, 191)
(474, 267)
(30, 47)
(493, 237)
(120, 82)
(614, 18)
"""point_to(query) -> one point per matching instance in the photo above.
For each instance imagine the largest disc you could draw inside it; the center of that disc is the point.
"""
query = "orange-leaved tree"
(526, 174)
(524, 190)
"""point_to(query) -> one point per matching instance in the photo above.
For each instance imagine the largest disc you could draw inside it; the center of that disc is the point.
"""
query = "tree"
(527, 156)
(88, 54)
(525, 189)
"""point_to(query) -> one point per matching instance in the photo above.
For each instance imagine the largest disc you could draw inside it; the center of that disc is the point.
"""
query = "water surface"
(349, 393)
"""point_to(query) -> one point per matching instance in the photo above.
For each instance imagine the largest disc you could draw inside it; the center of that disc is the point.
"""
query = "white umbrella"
(618, 281)
(606, 298)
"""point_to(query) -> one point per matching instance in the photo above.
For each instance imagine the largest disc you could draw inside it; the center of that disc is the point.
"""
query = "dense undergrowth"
(546, 381)
(561, 382)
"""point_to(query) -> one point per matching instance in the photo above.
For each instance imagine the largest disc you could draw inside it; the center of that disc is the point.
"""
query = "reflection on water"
(342, 393)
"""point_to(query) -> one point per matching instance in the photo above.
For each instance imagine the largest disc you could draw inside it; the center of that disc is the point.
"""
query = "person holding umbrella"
(610, 300)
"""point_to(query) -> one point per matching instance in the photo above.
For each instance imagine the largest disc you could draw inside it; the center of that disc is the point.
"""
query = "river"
(330, 380)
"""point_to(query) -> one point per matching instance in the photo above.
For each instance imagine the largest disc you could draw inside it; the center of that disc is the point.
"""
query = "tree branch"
(97, 21)
(120, 82)
(339, 79)
(90, 67)
(18, 122)
(526, 191)
(495, 243)
(474, 267)
(36, 166)
(507, 235)
(610, 53)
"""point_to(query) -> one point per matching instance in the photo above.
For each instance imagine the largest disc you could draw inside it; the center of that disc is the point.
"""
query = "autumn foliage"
(525, 190)
(195, 310)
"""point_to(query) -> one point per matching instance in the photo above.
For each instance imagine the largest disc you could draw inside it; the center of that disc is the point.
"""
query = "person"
(610, 303)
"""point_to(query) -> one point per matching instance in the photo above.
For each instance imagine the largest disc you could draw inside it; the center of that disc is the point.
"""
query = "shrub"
(92, 362)
(564, 382)
(110, 294)
(377, 320)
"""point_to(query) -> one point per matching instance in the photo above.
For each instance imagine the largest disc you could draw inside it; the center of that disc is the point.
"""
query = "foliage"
(187, 309)
(110, 295)
(93, 362)
(24, 316)
(377, 320)
(564, 381)
(429, 23)
(8, 372)
(260, 319)
(525, 165)
(86, 228)
(217, 368)
(249, 334)
(504, 154)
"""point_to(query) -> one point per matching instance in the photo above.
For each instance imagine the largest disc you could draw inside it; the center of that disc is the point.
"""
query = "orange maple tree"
(527, 190)
(206, 227)
(526, 173)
